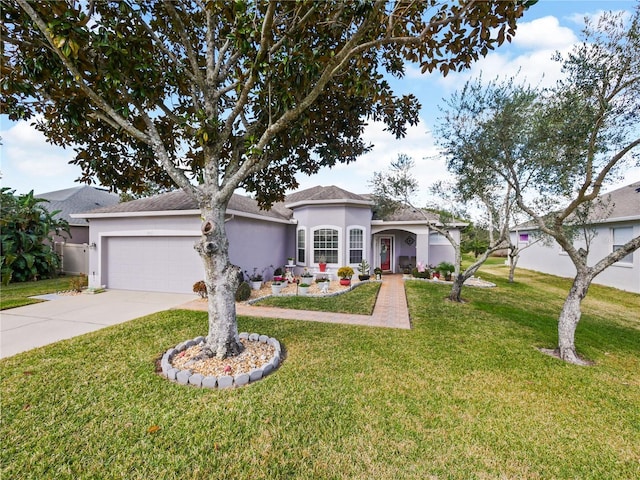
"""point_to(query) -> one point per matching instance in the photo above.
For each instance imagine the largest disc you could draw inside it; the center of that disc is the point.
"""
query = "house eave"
(414, 222)
(177, 213)
(604, 221)
(320, 203)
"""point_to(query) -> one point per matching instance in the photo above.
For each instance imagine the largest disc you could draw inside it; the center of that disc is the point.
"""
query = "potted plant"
(255, 279)
(306, 277)
(363, 268)
(303, 288)
(421, 271)
(290, 262)
(276, 285)
(446, 269)
(345, 274)
(378, 273)
(322, 263)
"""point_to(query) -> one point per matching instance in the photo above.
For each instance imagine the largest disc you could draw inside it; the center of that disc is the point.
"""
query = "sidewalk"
(390, 309)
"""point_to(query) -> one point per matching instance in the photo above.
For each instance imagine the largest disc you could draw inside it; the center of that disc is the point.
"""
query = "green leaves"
(27, 233)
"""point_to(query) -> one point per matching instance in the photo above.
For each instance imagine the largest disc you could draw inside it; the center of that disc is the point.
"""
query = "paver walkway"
(390, 309)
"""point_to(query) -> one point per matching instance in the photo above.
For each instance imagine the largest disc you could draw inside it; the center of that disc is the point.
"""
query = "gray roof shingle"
(178, 200)
(78, 200)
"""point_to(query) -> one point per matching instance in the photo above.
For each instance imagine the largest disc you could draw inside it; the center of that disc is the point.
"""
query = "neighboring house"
(147, 244)
(618, 227)
(74, 251)
(77, 200)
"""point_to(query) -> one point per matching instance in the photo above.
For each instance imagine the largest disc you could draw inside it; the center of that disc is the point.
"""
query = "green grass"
(465, 394)
(17, 294)
(360, 300)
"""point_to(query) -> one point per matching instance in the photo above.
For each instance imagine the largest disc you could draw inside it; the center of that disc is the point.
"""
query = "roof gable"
(77, 200)
(324, 195)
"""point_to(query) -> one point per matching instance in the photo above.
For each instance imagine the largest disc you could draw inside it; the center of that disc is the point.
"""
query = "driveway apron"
(63, 317)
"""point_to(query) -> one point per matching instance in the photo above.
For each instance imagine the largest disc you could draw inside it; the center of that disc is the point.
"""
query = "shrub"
(345, 272)
(200, 288)
(27, 236)
(78, 283)
(420, 274)
(244, 292)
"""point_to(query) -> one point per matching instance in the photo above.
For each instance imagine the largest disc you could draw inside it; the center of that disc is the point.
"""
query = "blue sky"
(28, 162)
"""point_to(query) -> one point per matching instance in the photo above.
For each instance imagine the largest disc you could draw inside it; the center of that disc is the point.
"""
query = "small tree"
(395, 188)
(577, 136)
(27, 237)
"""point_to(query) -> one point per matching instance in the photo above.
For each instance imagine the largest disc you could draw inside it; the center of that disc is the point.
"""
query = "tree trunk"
(221, 279)
(569, 318)
(456, 288)
(513, 261)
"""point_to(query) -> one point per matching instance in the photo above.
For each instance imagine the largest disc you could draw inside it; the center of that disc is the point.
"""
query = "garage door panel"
(157, 264)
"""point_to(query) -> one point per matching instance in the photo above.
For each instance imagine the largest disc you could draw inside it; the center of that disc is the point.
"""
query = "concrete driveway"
(63, 317)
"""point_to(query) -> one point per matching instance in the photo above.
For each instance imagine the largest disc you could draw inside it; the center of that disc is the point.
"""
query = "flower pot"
(303, 291)
(323, 267)
(276, 288)
(345, 282)
(362, 278)
(255, 285)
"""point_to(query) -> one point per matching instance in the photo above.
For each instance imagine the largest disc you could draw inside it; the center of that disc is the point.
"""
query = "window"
(301, 246)
(356, 245)
(325, 244)
(523, 238)
(622, 235)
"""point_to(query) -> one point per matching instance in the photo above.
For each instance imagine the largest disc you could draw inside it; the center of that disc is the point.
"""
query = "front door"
(385, 250)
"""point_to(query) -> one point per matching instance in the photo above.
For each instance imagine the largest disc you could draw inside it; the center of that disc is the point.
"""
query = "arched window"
(326, 245)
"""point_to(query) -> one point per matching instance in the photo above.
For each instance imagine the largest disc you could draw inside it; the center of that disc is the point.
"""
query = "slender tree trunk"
(513, 261)
(221, 279)
(456, 288)
(569, 318)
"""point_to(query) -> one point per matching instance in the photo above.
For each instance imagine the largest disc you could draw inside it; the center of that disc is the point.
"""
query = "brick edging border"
(187, 377)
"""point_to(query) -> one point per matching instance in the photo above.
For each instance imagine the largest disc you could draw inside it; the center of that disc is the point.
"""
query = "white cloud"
(544, 33)
(29, 162)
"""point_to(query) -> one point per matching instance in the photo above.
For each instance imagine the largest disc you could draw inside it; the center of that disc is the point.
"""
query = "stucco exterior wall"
(252, 242)
(549, 258)
(339, 217)
(259, 244)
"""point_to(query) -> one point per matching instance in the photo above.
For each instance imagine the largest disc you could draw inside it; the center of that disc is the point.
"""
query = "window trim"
(628, 259)
(312, 248)
(351, 228)
(304, 248)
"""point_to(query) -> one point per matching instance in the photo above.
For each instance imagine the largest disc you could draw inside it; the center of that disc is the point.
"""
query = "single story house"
(147, 244)
(77, 200)
(74, 249)
(620, 224)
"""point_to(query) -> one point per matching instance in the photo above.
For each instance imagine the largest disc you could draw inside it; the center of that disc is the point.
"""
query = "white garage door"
(155, 264)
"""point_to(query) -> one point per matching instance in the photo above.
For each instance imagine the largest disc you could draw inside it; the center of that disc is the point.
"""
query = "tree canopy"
(184, 92)
(216, 95)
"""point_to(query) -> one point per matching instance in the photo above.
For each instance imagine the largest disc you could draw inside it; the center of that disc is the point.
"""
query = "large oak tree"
(216, 95)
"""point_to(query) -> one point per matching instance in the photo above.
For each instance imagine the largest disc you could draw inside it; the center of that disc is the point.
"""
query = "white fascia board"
(161, 213)
(397, 223)
(604, 221)
(301, 203)
(176, 213)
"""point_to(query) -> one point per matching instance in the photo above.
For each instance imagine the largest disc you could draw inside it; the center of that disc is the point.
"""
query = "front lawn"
(464, 394)
(360, 300)
(17, 294)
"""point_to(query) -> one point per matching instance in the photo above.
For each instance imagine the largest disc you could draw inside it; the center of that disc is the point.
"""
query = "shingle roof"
(78, 200)
(618, 204)
(320, 193)
(625, 201)
(178, 200)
